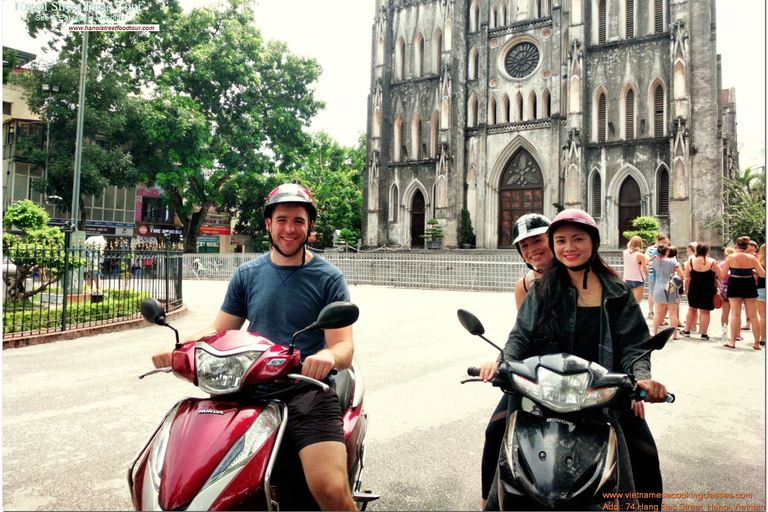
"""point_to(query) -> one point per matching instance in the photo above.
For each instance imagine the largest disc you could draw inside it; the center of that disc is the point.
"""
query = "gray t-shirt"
(278, 301)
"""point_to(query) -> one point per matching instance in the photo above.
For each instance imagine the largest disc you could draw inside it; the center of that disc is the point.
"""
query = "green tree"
(331, 172)
(744, 213)
(39, 248)
(210, 67)
(10, 62)
(646, 228)
(104, 162)
(466, 233)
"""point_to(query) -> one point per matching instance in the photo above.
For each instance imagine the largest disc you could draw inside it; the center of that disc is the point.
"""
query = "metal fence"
(49, 290)
(477, 270)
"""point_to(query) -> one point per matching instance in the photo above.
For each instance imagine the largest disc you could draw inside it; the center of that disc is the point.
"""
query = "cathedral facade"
(508, 107)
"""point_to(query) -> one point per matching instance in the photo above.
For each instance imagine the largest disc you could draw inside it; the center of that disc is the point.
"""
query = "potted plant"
(433, 234)
(466, 233)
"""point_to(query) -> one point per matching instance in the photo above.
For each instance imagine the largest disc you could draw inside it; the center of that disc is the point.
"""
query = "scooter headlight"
(159, 446)
(561, 393)
(222, 373)
(248, 444)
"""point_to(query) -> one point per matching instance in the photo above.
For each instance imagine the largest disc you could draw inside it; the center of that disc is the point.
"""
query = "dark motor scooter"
(563, 452)
(224, 452)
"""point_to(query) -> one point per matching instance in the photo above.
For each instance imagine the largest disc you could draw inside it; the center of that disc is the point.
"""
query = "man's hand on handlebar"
(162, 358)
(319, 365)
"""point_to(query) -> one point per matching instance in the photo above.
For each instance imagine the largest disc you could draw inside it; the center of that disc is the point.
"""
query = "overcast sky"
(338, 34)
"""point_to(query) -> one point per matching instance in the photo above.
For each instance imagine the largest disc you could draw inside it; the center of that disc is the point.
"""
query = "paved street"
(74, 412)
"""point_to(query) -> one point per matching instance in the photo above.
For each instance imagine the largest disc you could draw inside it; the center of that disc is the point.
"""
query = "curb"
(38, 339)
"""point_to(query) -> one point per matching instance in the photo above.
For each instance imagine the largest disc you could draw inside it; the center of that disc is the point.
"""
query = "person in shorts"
(279, 294)
(635, 266)
(650, 253)
(742, 268)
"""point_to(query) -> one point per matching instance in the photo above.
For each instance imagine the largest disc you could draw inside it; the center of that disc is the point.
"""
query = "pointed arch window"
(601, 22)
(596, 199)
(472, 111)
(419, 56)
(601, 117)
(503, 14)
(474, 61)
(629, 21)
(505, 110)
(519, 108)
(629, 115)
(658, 111)
(662, 192)
(437, 51)
(474, 17)
(434, 130)
(416, 149)
(399, 146)
(395, 202)
(492, 111)
(658, 16)
(546, 104)
(494, 16)
(533, 106)
(400, 60)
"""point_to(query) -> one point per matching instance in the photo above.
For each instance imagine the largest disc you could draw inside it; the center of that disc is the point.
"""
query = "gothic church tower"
(507, 107)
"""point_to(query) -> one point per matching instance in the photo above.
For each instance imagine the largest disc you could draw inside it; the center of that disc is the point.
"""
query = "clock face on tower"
(521, 60)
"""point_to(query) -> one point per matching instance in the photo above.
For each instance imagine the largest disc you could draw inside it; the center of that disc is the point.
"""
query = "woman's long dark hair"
(551, 289)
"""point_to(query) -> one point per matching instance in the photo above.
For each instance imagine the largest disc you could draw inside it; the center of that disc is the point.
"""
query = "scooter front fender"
(202, 434)
(556, 463)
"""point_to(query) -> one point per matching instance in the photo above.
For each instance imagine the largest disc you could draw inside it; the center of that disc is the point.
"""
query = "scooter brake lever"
(166, 369)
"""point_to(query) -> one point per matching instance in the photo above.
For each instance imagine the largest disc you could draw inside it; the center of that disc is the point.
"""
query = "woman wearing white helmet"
(530, 238)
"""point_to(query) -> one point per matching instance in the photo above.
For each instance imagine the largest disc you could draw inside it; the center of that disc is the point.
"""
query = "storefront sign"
(216, 225)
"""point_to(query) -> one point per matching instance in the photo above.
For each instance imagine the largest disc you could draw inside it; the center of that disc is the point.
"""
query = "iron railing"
(48, 290)
(478, 270)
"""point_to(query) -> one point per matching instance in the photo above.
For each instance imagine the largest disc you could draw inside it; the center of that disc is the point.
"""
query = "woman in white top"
(634, 267)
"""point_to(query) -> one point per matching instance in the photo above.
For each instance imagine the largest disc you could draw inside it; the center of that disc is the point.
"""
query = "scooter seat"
(345, 385)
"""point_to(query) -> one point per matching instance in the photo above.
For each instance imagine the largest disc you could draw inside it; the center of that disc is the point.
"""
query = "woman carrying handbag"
(702, 278)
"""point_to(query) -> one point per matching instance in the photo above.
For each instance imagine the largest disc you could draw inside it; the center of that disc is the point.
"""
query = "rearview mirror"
(335, 316)
(470, 322)
(661, 339)
(153, 311)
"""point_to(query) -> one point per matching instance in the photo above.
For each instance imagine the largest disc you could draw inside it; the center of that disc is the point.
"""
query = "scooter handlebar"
(670, 397)
(473, 371)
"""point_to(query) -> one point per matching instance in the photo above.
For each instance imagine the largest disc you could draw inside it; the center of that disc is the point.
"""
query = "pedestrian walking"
(742, 288)
(702, 278)
(650, 252)
(635, 266)
(666, 298)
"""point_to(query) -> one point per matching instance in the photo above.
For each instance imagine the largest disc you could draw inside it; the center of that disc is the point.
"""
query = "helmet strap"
(586, 267)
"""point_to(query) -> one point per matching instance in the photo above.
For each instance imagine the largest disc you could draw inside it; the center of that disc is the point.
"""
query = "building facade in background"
(508, 107)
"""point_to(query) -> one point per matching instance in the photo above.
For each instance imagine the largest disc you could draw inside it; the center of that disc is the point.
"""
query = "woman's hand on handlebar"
(656, 391)
(488, 370)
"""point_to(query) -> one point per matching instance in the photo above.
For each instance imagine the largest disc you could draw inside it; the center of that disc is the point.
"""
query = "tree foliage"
(212, 69)
(646, 228)
(744, 213)
(104, 162)
(331, 172)
(39, 249)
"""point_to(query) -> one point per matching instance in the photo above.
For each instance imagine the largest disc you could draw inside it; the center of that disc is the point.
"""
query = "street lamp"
(50, 89)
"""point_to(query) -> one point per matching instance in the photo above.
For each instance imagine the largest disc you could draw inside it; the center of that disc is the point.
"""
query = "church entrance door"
(521, 191)
(417, 220)
(629, 207)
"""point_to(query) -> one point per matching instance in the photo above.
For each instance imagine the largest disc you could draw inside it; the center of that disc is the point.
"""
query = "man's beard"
(280, 252)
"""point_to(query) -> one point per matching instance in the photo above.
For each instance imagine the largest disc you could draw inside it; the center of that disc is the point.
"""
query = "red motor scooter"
(225, 452)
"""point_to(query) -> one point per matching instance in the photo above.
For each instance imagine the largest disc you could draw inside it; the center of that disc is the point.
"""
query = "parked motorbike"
(562, 452)
(226, 452)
